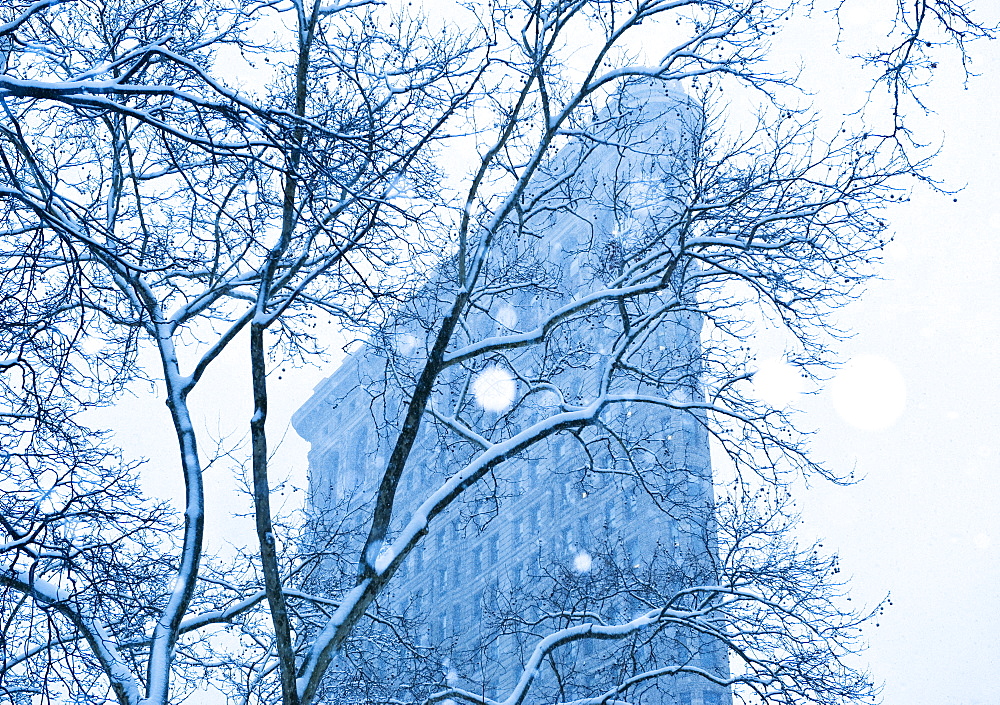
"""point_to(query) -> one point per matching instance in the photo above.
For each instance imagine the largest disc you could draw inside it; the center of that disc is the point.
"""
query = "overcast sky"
(924, 524)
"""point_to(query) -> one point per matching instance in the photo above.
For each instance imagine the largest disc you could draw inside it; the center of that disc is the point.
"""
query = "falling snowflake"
(406, 344)
(777, 383)
(494, 389)
(91, 345)
(507, 316)
(582, 562)
(869, 393)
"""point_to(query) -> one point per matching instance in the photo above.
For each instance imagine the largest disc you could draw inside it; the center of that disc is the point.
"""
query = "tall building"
(598, 523)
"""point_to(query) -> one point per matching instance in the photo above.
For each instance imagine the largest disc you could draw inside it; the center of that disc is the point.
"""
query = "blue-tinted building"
(598, 524)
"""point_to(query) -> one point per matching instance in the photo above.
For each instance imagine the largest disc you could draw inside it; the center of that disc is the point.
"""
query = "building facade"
(598, 523)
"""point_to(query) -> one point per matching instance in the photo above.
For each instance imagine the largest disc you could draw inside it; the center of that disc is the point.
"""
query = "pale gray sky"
(924, 523)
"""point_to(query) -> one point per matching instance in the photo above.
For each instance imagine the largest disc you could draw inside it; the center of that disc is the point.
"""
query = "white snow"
(494, 389)
(385, 556)
(582, 562)
(48, 591)
(547, 399)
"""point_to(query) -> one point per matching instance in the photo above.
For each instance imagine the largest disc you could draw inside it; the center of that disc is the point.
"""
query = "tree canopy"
(183, 176)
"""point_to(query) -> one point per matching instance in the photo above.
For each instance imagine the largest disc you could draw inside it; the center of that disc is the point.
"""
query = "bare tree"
(148, 206)
(131, 221)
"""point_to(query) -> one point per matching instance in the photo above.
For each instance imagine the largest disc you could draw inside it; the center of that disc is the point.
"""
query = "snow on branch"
(123, 681)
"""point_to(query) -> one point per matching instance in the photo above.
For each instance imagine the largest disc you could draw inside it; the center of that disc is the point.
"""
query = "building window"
(493, 651)
(630, 505)
(515, 532)
(568, 492)
(582, 534)
(670, 535)
(361, 448)
(633, 554)
(534, 520)
(492, 595)
(566, 533)
(492, 550)
(516, 579)
(477, 558)
(333, 473)
(711, 697)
